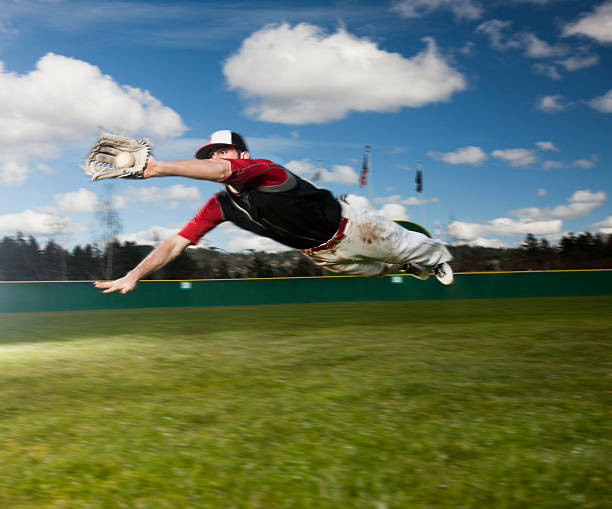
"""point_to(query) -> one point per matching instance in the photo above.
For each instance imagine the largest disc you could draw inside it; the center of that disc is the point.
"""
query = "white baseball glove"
(116, 156)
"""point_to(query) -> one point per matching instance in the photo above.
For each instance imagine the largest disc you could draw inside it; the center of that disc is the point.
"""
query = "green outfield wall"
(19, 297)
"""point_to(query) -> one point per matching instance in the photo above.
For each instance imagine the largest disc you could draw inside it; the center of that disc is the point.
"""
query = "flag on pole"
(419, 181)
(365, 167)
(419, 178)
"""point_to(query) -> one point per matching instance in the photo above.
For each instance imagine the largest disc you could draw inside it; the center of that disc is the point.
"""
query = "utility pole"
(109, 218)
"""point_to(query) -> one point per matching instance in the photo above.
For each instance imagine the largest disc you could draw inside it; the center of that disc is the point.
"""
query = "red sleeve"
(205, 220)
(258, 172)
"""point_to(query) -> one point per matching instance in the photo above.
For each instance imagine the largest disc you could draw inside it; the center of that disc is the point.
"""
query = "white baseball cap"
(218, 139)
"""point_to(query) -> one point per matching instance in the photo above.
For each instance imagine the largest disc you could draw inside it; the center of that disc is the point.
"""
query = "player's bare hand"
(123, 285)
(149, 170)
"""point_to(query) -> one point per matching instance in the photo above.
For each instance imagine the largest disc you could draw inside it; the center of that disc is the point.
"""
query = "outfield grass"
(442, 404)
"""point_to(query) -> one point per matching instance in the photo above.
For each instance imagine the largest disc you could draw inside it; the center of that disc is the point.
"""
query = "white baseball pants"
(374, 245)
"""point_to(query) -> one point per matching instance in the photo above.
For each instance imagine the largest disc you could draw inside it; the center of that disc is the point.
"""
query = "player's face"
(226, 153)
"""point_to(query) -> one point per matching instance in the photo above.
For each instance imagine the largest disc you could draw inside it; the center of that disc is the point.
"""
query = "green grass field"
(442, 404)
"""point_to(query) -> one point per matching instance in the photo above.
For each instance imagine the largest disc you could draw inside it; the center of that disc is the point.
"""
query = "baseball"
(124, 160)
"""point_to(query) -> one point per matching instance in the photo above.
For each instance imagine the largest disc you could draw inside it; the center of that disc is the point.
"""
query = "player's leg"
(371, 235)
(373, 245)
(351, 267)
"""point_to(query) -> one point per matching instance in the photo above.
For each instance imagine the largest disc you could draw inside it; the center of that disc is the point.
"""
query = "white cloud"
(359, 201)
(586, 163)
(532, 220)
(65, 97)
(603, 103)
(604, 226)
(579, 62)
(462, 9)
(596, 24)
(536, 48)
(242, 240)
(494, 29)
(569, 64)
(607, 223)
(64, 100)
(519, 157)
(301, 75)
(339, 173)
(392, 208)
(31, 222)
(395, 212)
(580, 204)
(159, 194)
(13, 172)
(548, 70)
(587, 196)
(304, 168)
(413, 200)
(549, 165)
(503, 40)
(465, 155)
(78, 201)
(482, 242)
(397, 199)
(552, 103)
(547, 145)
(151, 237)
(470, 232)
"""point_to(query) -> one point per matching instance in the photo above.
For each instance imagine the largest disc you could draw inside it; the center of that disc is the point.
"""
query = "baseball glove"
(117, 156)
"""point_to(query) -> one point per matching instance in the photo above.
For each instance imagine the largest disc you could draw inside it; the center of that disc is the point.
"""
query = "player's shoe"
(414, 270)
(444, 273)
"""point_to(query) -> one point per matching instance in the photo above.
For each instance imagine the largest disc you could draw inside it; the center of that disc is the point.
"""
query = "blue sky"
(508, 104)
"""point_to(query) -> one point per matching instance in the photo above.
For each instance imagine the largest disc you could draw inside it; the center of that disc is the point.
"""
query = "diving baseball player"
(266, 199)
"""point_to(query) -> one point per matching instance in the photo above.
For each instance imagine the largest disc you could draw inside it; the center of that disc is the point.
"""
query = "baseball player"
(264, 198)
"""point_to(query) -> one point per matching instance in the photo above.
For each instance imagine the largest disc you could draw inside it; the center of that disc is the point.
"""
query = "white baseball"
(124, 160)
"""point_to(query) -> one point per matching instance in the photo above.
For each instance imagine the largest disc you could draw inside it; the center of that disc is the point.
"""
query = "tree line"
(24, 259)
(581, 251)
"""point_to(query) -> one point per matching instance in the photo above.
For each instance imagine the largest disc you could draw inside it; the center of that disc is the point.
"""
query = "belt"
(338, 236)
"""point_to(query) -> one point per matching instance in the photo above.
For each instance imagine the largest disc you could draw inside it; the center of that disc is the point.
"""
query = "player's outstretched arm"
(156, 259)
(201, 169)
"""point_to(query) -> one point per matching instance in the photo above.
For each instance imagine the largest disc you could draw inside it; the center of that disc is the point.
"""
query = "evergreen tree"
(20, 259)
(54, 262)
(182, 267)
(84, 264)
